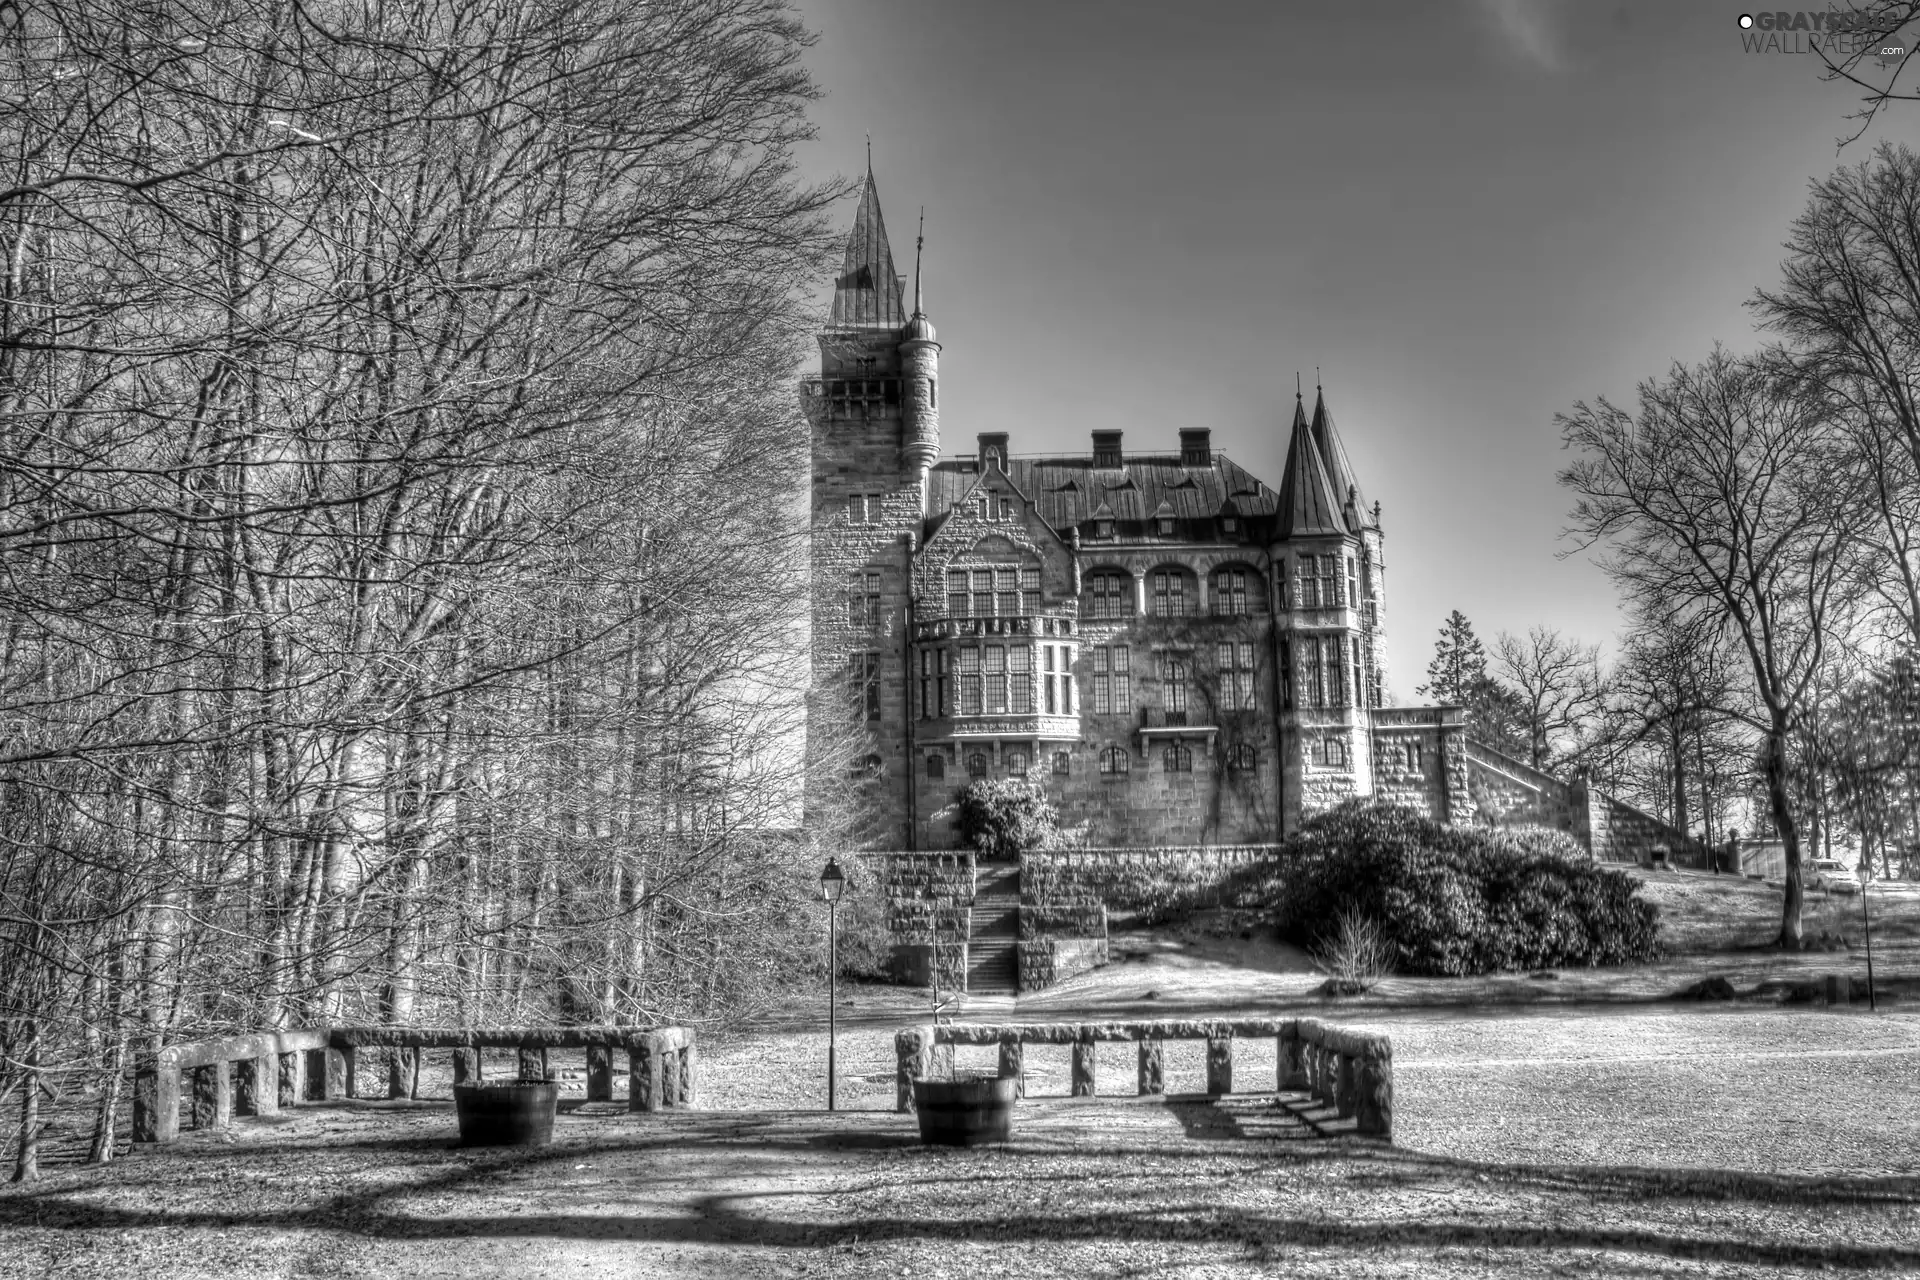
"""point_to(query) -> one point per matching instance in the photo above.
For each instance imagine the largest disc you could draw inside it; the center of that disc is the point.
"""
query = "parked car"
(1834, 877)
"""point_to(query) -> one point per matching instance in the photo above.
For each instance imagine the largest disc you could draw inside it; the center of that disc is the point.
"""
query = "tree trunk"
(1789, 829)
(26, 1165)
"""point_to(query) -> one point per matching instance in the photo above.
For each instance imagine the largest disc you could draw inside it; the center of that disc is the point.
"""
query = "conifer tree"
(1459, 666)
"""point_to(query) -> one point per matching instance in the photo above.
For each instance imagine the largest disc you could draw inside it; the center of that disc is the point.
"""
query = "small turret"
(920, 368)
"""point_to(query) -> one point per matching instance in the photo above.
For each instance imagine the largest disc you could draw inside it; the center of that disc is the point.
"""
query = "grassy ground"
(1678, 1142)
(1545, 1138)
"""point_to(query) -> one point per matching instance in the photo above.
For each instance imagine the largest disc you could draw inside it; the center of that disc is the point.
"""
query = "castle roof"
(1340, 471)
(1308, 501)
(1069, 491)
(866, 294)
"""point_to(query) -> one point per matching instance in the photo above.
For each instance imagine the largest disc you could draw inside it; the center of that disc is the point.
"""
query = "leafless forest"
(399, 515)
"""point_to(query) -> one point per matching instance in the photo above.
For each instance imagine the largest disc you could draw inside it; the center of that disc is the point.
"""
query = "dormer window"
(1103, 528)
(993, 458)
(1229, 524)
(1166, 526)
(1006, 508)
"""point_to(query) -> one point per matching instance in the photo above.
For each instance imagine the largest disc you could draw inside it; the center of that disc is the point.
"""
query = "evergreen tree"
(1459, 666)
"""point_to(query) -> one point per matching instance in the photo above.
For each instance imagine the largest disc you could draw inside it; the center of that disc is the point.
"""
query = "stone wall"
(1150, 883)
(928, 900)
(1510, 793)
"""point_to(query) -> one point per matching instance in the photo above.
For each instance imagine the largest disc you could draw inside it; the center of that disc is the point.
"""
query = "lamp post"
(833, 882)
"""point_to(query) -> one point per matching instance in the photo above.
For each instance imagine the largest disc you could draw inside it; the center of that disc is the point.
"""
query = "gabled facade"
(1174, 650)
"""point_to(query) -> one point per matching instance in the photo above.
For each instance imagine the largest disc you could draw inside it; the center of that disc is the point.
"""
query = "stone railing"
(259, 1074)
(1351, 1071)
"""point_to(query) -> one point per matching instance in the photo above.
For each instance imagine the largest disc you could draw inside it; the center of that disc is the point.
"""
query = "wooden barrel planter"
(506, 1113)
(965, 1111)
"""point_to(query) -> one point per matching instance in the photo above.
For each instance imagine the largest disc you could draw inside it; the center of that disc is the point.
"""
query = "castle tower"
(873, 419)
(1328, 661)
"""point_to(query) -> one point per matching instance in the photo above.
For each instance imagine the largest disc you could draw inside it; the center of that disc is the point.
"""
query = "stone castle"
(1174, 650)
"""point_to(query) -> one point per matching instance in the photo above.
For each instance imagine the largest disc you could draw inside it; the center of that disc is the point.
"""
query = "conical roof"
(1334, 454)
(867, 293)
(1309, 504)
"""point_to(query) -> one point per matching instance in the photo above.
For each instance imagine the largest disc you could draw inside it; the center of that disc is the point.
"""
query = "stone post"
(156, 1103)
(341, 1070)
(257, 1085)
(1344, 1090)
(1153, 1077)
(1013, 1064)
(1292, 1062)
(1373, 1091)
(212, 1096)
(599, 1073)
(686, 1064)
(1083, 1073)
(645, 1068)
(1219, 1065)
(400, 1071)
(466, 1066)
(533, 1062)
(292, 1082)
(913, 1051)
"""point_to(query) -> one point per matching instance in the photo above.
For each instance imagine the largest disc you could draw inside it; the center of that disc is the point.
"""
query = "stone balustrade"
(1350, 1070)
(261, 1073)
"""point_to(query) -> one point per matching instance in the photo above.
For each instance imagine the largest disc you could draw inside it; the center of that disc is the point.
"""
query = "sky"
(1467, 214)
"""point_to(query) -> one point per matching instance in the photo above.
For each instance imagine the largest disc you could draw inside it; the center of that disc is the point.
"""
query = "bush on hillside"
(1454, 900)
(1005, 818)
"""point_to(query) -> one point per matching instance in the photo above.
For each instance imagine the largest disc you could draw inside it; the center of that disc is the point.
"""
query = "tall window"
(865, 671)
(1280, 593)
(1063, 762)
(1236, 675)
(1115, 760)
(1110, 677)
(1109, 595)
(982, 593)
(1007, 592)
(1047, 678)
(957, 593)
(996, 673)
(1177, 758)
(1230, 591)
(1312, 691)
(1329, 581)
(1173, 690)
(933, 684)
(936, 766)
(1169, 593)
(1336, 673)
(1021, 674)
(1016, 763)
(969, 682)
(863, 600)
(977, 765)
(1029, 591)
(1286, 676)
(1353, 584)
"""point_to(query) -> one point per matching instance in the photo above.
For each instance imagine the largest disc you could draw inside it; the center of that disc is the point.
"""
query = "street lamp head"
(833, 881)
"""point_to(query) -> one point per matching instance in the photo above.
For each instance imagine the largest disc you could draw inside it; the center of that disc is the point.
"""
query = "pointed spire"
(1308, 501)
(866, 294)
(1327, 439)
(919, 243)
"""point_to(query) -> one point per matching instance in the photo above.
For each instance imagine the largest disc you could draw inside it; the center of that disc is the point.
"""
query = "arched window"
(1062, 761)
(1236, 674)
(868, 767)
(1115, 760)
(1017, 763)
(1330, 753)
(1109, 594)
(1241, 757)
(1177, 758)
(1237, 591)
(977, 765)
(936, 766)
(1172, 593)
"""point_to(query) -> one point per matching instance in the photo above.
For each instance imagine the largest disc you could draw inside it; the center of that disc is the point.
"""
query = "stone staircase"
(993, 957)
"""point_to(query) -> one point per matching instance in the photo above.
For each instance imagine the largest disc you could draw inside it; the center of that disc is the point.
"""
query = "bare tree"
(1559, 686)
(1725, 499)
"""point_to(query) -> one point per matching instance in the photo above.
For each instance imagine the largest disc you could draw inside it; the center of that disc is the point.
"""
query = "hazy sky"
(1468, 213)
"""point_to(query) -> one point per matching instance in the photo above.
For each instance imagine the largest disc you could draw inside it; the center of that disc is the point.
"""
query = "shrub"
(1455, 900)
(1357, 955)
(1003, 819)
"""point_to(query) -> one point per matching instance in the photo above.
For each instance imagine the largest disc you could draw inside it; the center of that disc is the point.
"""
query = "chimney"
(993, 448)
(1106, 449)
(1196, 449)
